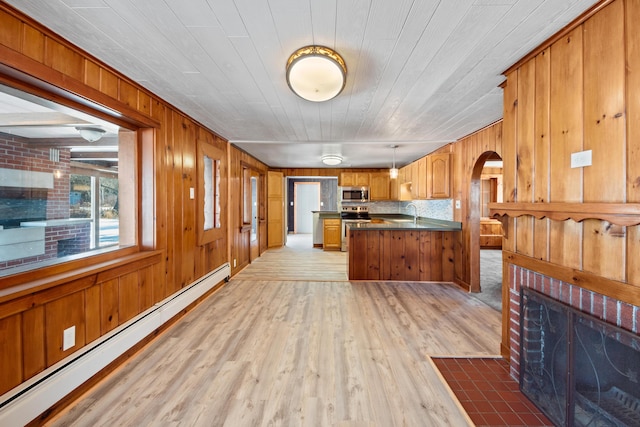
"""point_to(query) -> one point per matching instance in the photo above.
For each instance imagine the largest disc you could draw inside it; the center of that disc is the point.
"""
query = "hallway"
(300, 352)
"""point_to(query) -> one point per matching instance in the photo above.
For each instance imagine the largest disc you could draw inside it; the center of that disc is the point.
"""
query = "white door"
(306, 198)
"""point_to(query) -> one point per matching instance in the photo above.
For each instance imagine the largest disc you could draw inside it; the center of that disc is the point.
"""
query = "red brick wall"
(19, 155)
(605, 308)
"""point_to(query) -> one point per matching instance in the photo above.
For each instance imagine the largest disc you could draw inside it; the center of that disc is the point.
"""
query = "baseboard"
(20, 405)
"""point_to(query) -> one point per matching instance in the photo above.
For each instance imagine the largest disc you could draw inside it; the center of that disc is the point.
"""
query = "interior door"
(306, 199)
(254, 240)
(275, 210)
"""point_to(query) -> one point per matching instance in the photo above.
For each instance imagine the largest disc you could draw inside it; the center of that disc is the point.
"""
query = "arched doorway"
(486, 233)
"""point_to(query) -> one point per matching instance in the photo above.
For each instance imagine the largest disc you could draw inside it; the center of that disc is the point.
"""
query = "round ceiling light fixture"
(331, 159)
(90, 134)
(316, 73)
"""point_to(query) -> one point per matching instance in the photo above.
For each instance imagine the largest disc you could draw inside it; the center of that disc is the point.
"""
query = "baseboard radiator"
(33, 397)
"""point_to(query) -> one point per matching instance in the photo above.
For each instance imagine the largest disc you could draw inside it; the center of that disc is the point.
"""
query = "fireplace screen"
(578, 370)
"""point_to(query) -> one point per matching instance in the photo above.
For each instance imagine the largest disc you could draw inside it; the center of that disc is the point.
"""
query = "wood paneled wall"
(101, 292)
(239, 250)
(580, 91)
(468, 157)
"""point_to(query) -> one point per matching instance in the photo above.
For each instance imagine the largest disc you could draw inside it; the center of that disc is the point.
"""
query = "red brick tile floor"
(489, 395)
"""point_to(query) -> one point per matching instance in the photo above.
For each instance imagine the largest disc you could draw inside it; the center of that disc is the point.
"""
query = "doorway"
(486, 232)
(306, 198)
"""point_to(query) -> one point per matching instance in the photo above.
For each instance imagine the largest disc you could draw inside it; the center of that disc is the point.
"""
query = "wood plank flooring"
(299, 353)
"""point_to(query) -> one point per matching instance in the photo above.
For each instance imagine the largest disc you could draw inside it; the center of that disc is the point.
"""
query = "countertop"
(405, 223)
(327, 214)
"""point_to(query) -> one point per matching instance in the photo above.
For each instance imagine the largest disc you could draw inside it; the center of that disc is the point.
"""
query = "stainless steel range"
(352, 214)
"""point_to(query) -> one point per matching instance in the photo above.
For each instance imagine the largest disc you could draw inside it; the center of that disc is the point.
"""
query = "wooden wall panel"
(373, 255)
(566, 137)
(109, 305)
(412, 251)
(632, 37)
(604, 130)
(593, 103)
(509, 138)
(33, 342)
(525, 153)
(10, 31)
(62, 58)
(93, 321)
(33, 43)
(128, 297)
(11, 356)
(542, 150)
(59, 315)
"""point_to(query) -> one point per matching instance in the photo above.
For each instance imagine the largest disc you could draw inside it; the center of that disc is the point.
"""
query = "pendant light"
(393, 172)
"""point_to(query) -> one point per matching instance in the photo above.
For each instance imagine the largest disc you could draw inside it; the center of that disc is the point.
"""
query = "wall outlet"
(68, 338)
(234, 263)
(458, 205)
(581, 159)
(192, 193)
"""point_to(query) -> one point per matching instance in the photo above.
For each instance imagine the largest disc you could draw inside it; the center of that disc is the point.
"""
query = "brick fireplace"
(611, 313)
(602, 307)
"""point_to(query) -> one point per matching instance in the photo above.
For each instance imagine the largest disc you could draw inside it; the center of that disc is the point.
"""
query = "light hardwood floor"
(299, 353)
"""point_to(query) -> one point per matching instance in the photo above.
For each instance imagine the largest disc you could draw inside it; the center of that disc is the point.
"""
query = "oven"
(354, 194)
(351, 215)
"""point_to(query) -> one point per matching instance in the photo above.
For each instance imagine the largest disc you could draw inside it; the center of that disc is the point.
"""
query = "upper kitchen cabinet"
(379, 186)
(354, 179)
(439, 176)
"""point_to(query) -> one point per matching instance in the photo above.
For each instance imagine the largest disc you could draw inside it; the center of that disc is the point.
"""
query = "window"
(60, 194)
(210, 186)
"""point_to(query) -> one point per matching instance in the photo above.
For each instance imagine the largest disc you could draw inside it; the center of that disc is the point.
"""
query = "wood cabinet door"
(438, 176)
(362, 179)
(379, 186)
(347, 179)
(332, 235)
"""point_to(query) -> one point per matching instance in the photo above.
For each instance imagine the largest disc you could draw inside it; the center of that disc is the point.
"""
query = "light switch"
(68, 338)
(192, 193)
(457, 204)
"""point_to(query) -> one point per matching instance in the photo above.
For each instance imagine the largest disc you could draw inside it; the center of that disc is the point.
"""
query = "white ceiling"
(421, 73)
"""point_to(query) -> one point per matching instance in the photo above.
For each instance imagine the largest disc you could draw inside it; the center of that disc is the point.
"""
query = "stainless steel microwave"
(354, 194)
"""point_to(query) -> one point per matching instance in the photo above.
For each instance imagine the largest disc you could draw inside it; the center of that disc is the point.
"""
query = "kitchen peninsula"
(402, 250)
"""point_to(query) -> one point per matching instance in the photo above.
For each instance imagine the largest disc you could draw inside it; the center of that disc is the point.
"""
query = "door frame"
(295, 200)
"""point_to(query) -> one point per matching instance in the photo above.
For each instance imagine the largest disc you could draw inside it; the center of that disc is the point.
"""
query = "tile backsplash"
(438, 209)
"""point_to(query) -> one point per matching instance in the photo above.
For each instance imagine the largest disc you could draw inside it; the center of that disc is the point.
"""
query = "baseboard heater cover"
(36, 395)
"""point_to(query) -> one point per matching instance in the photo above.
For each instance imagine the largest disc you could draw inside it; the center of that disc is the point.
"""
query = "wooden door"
(275, 209)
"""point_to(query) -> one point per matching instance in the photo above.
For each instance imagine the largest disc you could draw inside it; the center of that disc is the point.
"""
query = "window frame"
(143, 135)
(205, 236)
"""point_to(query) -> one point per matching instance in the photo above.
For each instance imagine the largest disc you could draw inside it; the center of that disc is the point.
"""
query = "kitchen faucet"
(415, 214)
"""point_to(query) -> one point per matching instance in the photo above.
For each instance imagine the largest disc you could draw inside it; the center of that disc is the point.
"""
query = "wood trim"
(624, 214)
(105, 270)
(560, 34)
(612, 288)
(75, 94)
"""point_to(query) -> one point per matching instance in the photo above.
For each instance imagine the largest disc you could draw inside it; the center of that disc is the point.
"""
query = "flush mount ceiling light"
(393, 172)
(316, 73)
(331, 159)
(90, 134)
